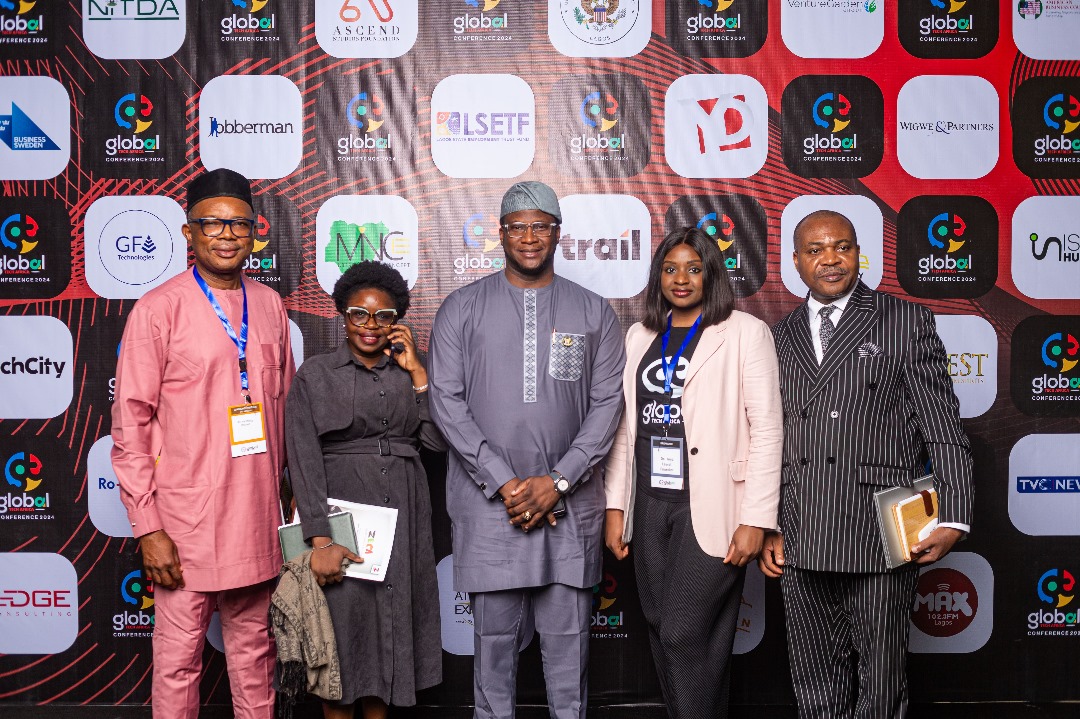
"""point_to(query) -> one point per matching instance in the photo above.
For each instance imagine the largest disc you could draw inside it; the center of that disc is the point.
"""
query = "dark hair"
(718, 301)
(370, 274)
(826, 215)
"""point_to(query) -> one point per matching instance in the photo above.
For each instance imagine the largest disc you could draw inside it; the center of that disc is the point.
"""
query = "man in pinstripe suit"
(867, 399)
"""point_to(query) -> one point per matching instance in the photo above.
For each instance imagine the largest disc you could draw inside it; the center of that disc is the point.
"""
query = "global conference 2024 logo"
(948, 29)
(248, 25)
(738, 225)
(367, 141)
(481, 21)
(1046, 127)
(833, 126)
(25, 497)
(717, 28)
(483, 254)
(136, 619)
(22, 23)
(1045, 378)
(134, 116)
(1057, 614)
(599, 125)
(947, 246)
(19, 235)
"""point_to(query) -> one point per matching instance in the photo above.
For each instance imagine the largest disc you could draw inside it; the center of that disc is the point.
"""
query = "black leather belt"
(382, 446)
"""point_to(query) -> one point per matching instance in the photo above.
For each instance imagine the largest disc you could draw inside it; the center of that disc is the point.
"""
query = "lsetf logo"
(137, 591)
(19, 232)
(721, 228)
(480, 235)
(23, 473)
(134, 116)
(19, 132)
(479, 126)
(831, 112)
(946, 232)
(1061, 114)
(366, 112)
(1056, 587)
(20, 26)
(247, 24)
(1060, 352)
(599, 113)
(482, 22)
(949, 24)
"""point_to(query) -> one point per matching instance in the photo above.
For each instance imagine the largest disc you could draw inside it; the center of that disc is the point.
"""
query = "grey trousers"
(500, 620)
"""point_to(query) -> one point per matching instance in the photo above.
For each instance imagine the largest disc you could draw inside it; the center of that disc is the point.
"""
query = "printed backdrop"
(947, 130)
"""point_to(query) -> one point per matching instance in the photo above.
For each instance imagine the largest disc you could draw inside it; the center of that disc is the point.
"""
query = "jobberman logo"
(247, 26)
(946, 231)
(1056, 588)
(19, 234)
(598, 113)
(607, 620)
(481, 25)
(22, 27)
(138, 592)
(480, 235)
(22, 479)
(367, 113)
(235, 127)
(134, 116)
(1061, 114)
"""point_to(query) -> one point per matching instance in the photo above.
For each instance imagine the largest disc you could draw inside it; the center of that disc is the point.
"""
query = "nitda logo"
(946, 231)
(599, 113)
(831, 111)
(715, 23)
(134, 116)
(950, 23)
(604, 599)
(138, 592)
(480, 235)
(23, 473)
(1057, 588)
(1061, 114)
(1060, 352)
(481, 22)
(366, 112)
(236, 26)
(721, 228)
(22, 24)
(18, 233)
(132, 10)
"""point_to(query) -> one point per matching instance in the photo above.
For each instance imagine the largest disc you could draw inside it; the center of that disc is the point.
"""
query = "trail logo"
(607, 252)
(832, 126)
(946, 246)
(717, 28)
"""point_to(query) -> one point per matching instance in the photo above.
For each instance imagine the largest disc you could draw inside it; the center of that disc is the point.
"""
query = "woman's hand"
(745, 545)
(327, 563)
(407, 359)
(614, 522)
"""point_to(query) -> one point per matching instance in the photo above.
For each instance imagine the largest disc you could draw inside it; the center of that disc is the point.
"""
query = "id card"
(247, 429)
(667, 462)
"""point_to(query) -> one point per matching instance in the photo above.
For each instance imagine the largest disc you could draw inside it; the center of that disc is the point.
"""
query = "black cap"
(221, 182)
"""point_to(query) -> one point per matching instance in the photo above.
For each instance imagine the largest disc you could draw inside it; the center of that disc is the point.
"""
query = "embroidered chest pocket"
(567, 356)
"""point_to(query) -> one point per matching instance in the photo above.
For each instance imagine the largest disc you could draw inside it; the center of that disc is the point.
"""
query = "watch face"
(562, 484)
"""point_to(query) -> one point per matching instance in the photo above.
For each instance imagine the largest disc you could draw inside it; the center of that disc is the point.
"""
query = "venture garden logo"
(833, 126)
(947, 246)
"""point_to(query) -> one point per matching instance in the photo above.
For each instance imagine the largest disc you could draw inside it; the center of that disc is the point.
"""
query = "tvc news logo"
(1044, 485)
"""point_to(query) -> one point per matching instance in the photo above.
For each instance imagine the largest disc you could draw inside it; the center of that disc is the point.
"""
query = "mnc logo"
(19, 132)
(832, 126)
(23, 473)
(352, 243)
(134, 116)
(247, 25)
(137, 591)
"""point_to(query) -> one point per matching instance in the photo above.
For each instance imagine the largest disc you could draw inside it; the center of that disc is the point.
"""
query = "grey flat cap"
(531, 195)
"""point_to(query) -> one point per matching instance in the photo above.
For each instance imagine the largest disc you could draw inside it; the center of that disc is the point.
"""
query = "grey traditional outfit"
(524, 382)
(353, 434)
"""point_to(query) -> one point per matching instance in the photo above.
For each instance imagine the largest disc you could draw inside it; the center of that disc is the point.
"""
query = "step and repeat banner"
(947, 130)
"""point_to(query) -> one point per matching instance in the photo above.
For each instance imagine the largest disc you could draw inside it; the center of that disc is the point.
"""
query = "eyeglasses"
(517, 230)
(359, 316)
(214, 226)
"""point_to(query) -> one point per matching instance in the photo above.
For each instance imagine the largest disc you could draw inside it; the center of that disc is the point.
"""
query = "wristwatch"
(562, 484)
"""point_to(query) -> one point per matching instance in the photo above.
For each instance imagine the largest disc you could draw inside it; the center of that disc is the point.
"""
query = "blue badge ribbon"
(669, 369)
(241, 340)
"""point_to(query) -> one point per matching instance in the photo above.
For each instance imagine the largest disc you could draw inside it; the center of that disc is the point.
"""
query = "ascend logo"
(738, 225)
(356, 228)
(608, 621)
(366, 28)
(134, 115)
(489, 22)
(134, 29)
(22, 479)
(1045, 380)
(1056, 590)
(367, 141)
(249, 26)
(833, 126)
(135, 621)
(24, 27)
(599, 28)
(483, 253)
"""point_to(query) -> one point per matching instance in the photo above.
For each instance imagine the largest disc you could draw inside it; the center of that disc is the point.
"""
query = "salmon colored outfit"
(176, 377)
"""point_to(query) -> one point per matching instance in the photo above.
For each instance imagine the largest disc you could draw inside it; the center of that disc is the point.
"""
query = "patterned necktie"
(827, 327)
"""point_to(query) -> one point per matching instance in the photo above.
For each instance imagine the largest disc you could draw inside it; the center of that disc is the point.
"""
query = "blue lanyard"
(241, 341)
(669, 369)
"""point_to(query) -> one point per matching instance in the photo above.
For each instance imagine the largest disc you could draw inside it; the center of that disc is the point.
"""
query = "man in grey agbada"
(525, 371)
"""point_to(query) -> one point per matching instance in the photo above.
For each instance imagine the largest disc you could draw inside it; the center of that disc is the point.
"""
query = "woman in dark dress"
(354, 421)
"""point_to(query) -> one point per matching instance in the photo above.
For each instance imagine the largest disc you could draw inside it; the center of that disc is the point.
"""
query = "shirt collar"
(813, 306)
(344, 356)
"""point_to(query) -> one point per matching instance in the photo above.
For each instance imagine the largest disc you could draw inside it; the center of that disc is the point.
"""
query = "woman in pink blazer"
(693, 477)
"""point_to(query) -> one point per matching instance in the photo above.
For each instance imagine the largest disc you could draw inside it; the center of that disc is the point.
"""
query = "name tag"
(667, 463)
(247, 429)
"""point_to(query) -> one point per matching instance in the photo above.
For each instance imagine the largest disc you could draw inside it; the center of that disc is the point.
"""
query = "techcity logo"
(138, 592)
(23, 473)
(133, 114)
(1056, 588)
(32, 366)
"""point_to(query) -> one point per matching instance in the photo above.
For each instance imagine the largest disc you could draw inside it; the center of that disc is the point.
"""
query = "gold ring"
(527, 515)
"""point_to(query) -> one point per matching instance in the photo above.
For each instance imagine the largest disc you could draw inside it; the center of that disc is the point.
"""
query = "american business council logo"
(1057, 614)
(599, 22)
(134, 116)
(246, 24)
(137, 618)
(483, 253)
(368, 140)
(608, 620)
(20, 23)
(483, 21)
(20, 235)
(25, 498)
(1029, 9)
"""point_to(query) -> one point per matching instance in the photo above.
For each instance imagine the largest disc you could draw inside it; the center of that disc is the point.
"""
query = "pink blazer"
(734, 431)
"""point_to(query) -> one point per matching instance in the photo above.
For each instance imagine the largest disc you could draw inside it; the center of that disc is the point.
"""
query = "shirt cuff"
(493, 476)
(965, 528)
(144, 520)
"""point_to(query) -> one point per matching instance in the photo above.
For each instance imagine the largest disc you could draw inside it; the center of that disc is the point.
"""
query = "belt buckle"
(384, 447)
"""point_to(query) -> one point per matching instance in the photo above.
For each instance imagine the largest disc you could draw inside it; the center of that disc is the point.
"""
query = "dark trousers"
(691, 603)
(847, 641)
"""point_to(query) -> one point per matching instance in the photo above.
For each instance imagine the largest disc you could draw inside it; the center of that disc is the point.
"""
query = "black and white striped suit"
(866, 418)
